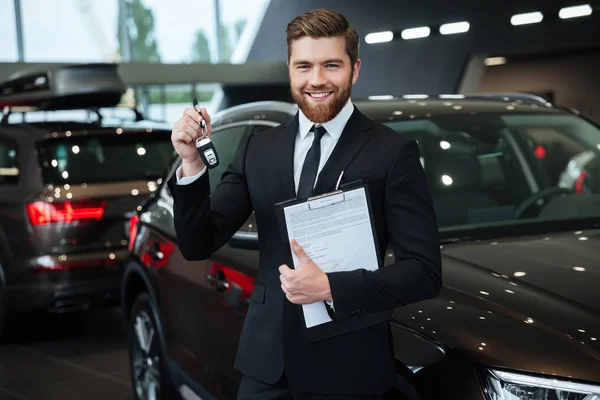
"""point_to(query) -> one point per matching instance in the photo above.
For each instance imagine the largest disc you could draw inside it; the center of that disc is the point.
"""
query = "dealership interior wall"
(245, 58)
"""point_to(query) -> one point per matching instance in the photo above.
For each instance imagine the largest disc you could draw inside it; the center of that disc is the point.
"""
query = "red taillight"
(133, 226)
(41, 212)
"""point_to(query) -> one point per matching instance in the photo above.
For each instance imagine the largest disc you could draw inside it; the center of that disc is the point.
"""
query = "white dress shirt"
(304, 139)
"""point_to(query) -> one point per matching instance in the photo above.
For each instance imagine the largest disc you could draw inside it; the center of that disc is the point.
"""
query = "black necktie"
(308, 176)
(311, 165)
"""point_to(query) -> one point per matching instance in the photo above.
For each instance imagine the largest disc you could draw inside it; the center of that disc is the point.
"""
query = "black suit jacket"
(261, 175)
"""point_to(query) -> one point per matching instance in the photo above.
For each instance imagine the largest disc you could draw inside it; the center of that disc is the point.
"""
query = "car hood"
(546, 320)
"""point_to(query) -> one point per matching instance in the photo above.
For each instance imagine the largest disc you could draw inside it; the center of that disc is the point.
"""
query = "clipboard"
(327, 327)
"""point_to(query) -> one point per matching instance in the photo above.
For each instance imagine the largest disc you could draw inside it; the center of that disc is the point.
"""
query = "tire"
(147, 364)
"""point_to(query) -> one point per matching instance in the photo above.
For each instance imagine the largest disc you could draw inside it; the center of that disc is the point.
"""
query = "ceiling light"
(415, 33)
(455, 27)
(415, 96)
(447, 180)
(575, 11)
(491, 61)
(519, 273)
(379, 37)
(579, 269)
(527, 18)
(381, 97)
(452, 96)
(445, 145)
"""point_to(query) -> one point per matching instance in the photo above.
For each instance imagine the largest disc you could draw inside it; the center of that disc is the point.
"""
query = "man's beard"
(321, 113)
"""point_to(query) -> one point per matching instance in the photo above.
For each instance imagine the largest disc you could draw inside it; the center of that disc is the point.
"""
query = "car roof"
(398, 108)
(404, 108)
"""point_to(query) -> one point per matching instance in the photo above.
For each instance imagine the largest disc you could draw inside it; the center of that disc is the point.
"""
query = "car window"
(226, 141)
(9, 171)
(484, 168)
(105, 158)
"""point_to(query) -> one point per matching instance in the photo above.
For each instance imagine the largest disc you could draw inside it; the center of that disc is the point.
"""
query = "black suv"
(519, 314)
(73, 167)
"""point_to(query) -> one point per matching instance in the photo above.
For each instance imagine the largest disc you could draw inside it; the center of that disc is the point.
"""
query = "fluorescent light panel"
(527, 18)
(415, 33)
(379, 37)
(491, 61)
(575, 11)
(381, 97)
(455, 27)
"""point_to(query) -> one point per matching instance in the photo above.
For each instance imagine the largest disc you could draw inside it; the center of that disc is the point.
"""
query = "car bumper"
(69, 282)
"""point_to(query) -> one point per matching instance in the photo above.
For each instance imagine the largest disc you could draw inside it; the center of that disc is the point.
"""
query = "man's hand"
(307, 283)
(185, 132)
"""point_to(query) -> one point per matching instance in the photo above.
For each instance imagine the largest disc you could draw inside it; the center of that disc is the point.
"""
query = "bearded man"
(303, 158)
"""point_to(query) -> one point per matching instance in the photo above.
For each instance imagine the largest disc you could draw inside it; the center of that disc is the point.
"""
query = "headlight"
(503, 385)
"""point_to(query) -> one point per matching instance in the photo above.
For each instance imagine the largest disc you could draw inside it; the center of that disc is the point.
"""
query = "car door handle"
(155, 252)
(218, 282)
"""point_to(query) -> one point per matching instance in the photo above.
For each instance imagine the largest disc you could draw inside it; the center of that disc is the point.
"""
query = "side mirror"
(244, 240)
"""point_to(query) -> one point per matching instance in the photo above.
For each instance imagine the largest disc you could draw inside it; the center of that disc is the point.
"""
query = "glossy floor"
(77, 356)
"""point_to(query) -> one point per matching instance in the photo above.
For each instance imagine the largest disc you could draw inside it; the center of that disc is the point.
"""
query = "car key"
(205, 147)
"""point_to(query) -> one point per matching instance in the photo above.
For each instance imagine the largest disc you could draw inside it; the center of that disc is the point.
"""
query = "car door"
(204, 302)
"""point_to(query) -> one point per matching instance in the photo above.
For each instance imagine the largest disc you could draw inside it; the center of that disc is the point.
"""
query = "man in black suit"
(302, 158)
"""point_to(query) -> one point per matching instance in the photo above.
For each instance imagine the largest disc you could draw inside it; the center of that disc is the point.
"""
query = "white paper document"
(335, 232)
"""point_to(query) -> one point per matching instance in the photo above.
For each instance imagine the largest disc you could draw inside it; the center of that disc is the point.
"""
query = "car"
(519, 312)
(73, 167)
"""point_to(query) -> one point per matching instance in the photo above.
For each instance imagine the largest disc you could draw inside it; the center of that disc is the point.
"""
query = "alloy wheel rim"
(146, 358)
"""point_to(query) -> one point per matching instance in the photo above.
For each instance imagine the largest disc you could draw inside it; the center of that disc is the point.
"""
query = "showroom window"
(173, 32)
(8, 32)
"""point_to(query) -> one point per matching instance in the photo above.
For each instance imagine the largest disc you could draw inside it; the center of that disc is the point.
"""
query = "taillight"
(41, 212)
(133, 227)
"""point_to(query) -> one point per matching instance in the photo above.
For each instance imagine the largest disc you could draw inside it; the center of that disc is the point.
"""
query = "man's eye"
(332, 65)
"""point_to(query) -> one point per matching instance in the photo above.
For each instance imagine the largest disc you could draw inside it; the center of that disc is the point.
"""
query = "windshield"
(499, 168)
(105, 158)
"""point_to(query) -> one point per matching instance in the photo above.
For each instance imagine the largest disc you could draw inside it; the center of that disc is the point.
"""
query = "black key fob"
(207, 152)
(205, 147)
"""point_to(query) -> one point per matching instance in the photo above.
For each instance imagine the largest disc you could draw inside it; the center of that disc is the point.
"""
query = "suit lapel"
(284, 148)
(354, 136)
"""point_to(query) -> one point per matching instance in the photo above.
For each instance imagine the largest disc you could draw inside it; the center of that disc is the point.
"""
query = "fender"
(134, 270)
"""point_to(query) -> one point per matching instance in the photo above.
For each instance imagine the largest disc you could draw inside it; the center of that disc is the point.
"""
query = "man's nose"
(317, 77)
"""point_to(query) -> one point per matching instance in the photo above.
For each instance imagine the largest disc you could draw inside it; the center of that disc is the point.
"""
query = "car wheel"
(146, 358)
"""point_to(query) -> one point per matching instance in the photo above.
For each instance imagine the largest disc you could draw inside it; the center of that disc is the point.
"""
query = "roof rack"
(525, 97)
(64, 87)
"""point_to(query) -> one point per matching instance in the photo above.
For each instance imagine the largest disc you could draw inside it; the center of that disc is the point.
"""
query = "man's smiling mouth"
(319, 95)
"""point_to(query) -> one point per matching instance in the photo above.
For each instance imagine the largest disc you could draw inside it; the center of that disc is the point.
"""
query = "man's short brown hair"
(320, 23)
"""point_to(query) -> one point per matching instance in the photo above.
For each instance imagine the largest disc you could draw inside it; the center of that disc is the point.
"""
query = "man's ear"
(355, 71)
